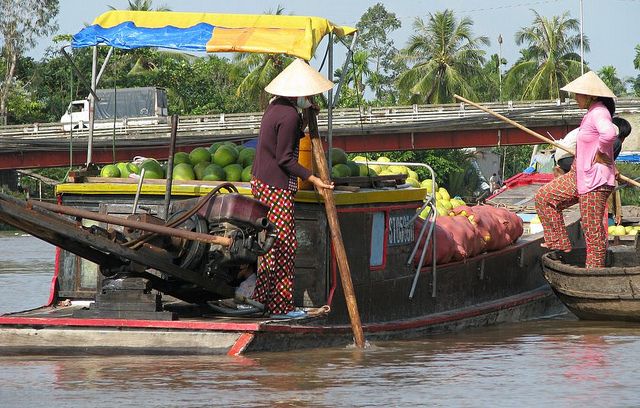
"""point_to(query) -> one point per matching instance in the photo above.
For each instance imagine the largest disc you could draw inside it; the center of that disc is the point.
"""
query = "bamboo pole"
(334, 228)
(535, 134)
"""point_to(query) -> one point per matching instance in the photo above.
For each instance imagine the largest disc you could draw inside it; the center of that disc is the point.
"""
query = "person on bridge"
(275, 179)
(591, 177)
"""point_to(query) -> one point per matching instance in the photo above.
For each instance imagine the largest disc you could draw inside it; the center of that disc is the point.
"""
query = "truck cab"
(119, 108)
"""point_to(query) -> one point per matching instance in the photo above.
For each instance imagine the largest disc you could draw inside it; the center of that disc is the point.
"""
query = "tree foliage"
(445, 55)
(374, 29)
(549, 60)
(21, 24)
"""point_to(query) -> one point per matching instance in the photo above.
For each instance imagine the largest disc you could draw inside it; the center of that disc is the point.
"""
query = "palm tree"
(262, 69)
(550, 60)
(609, 75)
(143, 5)
(445, 55)
(358, 72)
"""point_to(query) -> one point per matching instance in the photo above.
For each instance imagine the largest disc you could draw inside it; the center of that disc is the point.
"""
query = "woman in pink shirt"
(592, 175)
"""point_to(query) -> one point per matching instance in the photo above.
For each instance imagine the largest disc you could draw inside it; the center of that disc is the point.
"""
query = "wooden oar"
(535, 134)
(334, 229)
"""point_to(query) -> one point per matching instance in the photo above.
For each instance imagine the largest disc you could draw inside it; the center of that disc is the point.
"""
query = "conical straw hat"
(589, 84)
(298, 79)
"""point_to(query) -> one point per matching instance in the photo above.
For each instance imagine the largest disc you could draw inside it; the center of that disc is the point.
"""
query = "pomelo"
(340, 170)
(152, 169)
(413, 182)
(444, 193)
(428, 184)
(360, 159)
(225, 155)
(246, 156)
(199, 154)
(412, 174)
(383, 159)
(397, 169)
(198, 169)
(233, 172)
(354, 169)
(364, 170)
(213, 172)
(181, 157)
(110, 170)
(214, 147)
(125, 169)
(338, 156)
(246, 173)
(183, 171)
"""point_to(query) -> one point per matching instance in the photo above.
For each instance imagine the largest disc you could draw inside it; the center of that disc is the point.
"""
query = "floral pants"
(274, 284)
(562, 193)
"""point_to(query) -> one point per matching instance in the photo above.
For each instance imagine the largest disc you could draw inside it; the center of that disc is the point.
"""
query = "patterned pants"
(274, 284)
(562, 193)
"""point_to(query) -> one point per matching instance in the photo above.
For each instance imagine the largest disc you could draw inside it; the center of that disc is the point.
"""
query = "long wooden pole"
(334, 229)
(535, 134)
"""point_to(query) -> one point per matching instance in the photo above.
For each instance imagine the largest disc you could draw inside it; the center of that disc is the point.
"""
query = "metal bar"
(158, 229)
(77, 71)
(344, 66)
(104, 65)
(138, 190)
(92, 104)
(172, 149)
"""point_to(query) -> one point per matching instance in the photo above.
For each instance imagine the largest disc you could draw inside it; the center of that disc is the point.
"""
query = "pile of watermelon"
(470, 232)
(222, 161)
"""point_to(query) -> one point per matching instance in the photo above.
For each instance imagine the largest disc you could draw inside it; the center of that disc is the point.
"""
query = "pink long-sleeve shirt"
(597, 133)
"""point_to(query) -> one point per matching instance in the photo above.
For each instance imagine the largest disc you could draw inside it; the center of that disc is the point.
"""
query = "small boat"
(609, 293)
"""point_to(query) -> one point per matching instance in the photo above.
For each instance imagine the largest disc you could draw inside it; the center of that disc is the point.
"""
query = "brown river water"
(557, 362)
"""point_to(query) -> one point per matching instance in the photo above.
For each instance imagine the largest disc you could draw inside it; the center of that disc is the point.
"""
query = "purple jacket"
(278, 142)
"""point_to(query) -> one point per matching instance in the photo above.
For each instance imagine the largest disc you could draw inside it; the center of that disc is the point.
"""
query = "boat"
(140, 271)
(609, 293)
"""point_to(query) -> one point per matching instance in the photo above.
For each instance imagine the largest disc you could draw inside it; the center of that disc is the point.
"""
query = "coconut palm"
(358, 73)
(550, 60)
(143, 5)
(445, 56)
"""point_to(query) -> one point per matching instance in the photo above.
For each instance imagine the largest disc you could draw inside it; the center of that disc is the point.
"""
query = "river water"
(556, 362)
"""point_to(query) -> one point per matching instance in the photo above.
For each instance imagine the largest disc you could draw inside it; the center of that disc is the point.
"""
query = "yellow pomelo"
(110, 170)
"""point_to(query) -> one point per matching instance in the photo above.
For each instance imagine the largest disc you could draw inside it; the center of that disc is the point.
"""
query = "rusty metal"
(68, 235)
(158, 229)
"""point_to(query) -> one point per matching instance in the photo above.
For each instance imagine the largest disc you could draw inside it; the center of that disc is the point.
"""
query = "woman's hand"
(602, 158)
(319, 183)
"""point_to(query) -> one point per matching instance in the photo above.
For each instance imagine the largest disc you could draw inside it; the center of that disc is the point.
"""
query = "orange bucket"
(305, 158)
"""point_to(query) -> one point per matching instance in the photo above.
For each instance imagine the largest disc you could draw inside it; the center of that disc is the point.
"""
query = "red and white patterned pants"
(561, 193)
(274, 283)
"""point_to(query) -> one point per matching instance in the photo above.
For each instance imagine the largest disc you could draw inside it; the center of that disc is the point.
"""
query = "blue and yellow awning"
(206, 32)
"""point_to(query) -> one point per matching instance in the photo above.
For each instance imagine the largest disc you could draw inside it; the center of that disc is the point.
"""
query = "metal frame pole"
(92, 104)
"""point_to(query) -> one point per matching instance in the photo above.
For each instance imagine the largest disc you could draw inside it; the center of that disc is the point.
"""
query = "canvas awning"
(207, 32)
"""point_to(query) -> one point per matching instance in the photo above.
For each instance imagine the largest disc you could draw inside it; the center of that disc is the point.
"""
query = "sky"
(611, 25)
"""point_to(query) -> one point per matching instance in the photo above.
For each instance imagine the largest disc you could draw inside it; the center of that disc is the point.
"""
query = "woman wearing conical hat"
(275, 176)
(592, 175)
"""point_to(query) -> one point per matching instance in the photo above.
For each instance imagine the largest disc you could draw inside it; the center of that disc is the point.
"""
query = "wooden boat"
(610, 293)
(494, 287)
(110, 296)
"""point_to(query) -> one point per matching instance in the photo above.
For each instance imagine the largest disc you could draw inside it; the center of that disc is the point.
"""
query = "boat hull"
(610, 293)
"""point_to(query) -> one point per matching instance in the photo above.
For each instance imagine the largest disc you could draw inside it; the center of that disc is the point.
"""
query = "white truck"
(119, 108)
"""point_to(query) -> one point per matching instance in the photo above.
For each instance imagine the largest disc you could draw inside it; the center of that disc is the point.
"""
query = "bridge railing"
(239, 125)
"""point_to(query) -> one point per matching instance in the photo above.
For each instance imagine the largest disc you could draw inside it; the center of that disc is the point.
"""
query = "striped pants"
(274, 283)
(562, 193)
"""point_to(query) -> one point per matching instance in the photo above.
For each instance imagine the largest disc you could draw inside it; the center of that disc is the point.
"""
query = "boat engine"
(208, 270)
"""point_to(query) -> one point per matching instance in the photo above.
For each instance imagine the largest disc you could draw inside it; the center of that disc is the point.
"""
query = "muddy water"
(558, 363)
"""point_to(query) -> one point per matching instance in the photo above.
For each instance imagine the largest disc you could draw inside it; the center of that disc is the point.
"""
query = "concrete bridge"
(416, 127)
